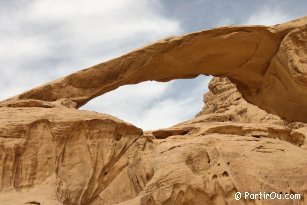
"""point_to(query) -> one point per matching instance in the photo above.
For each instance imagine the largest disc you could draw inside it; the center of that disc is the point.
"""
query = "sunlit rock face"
(52, 153)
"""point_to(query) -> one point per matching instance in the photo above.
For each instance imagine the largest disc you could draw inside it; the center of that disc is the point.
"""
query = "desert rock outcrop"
(52, 153)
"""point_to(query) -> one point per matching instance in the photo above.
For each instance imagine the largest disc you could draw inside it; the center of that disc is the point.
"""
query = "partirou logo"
(267, 196)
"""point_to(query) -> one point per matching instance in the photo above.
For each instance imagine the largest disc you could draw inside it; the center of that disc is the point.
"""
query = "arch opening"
(152, 105)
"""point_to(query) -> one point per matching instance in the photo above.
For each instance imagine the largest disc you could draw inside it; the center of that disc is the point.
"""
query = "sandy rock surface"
(52, 153)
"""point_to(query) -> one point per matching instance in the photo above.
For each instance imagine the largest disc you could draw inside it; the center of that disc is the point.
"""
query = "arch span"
(268, 65)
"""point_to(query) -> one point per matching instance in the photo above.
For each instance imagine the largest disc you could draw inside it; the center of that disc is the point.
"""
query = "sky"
(42, 40)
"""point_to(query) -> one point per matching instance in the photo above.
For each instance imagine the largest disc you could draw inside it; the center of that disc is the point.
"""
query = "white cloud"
(224, 22)
(130, 101)
(268, 16)
(41, 40)
(152, 105)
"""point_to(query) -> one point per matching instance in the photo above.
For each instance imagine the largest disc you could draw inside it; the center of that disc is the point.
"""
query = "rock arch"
(268, 65)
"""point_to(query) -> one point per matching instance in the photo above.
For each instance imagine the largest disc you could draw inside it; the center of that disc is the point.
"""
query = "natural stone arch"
(268, 65)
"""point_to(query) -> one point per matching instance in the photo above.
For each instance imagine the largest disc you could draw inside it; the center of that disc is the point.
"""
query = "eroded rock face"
(71, 154)
(208, 159)
(225, 103)
(60, 155)
(52, 153)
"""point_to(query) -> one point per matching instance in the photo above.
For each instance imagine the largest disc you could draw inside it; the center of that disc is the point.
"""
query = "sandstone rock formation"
(52, 153)
(268, 65)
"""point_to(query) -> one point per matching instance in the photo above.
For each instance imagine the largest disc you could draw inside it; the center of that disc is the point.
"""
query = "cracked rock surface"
(249, 137)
